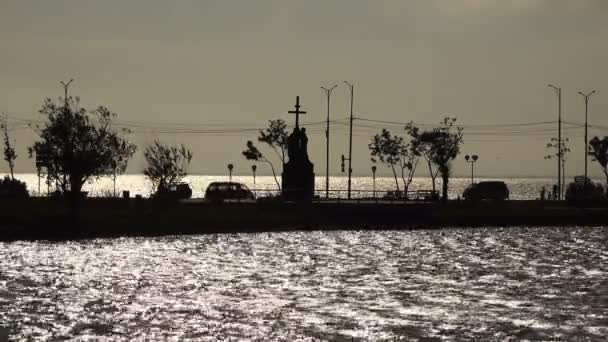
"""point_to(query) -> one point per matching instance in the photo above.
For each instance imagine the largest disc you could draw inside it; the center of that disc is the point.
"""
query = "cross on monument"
(297, 112)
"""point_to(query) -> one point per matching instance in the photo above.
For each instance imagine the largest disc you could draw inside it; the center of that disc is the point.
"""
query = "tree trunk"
(74, 199)
(606, 174)
(114, 182)
(431, 173)
(395, 174)
(274, 174)
(445, 178)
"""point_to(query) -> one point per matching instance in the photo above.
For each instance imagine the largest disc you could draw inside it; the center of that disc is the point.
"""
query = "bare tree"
(252, 153)
(9, 151)
(276, 137)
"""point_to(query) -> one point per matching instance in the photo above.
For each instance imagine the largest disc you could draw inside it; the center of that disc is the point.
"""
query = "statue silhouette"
(303, 143)
(298, 174)
(292, 144)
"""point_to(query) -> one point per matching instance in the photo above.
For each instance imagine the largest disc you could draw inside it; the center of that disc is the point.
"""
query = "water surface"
(453, 284)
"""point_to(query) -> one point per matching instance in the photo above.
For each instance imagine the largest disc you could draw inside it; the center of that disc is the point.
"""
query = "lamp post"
(472, 160)
(350, 141)
(374, 179)
(559, 140)
(328, 94)
(230, 167)
(253, 169)
(586, 97)
(66, 85)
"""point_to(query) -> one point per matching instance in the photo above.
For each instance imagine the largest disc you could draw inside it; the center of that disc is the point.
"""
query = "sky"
(220, 69)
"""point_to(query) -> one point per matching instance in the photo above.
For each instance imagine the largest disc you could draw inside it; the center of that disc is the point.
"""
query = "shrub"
(12, 188)
(581, 192)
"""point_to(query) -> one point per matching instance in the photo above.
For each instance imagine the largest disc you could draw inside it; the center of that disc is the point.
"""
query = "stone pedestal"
(298, 180)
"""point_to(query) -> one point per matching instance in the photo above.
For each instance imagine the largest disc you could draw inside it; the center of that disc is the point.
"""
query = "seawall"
(41, 218)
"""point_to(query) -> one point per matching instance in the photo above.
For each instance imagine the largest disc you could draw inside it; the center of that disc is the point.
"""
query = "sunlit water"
(520, 188)
(453, 284)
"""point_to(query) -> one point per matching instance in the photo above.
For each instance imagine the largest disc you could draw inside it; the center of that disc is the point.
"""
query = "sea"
(453, 284)
(519, 188)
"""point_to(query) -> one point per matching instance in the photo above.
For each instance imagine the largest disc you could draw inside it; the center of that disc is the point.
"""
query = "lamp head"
(475, 157)
(467, 157)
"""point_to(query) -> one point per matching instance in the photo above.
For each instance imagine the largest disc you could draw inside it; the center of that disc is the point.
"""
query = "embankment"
(41, 218)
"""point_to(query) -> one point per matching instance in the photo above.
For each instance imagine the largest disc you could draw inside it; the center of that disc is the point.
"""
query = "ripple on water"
(455, 284)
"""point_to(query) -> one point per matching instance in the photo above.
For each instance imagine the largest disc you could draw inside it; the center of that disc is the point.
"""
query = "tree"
(422, 148)
(78, 144)
(564, 149)
(252, 153)
(387, 149)
(276, 137)
(9, 151)
(408, 161)
(599, 152)
(166, 165)
(122, 152)
(440, 146)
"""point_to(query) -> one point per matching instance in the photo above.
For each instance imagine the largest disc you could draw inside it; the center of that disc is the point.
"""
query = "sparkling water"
(491, 284)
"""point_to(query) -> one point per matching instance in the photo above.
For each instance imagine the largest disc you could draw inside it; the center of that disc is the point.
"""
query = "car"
(176, 191)
(221, 191)
(490, 190)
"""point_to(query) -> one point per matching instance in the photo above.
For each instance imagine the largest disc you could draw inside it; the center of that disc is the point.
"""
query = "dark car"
(220, 191)
(491, 190)
(175, 192)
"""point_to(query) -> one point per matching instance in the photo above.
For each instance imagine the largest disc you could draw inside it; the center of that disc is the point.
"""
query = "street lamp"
(559, 140)
(328, 94)
(350, 139)
(253, 169)
(586, 96)
(374, 178)
(472, 159)
(230, 167)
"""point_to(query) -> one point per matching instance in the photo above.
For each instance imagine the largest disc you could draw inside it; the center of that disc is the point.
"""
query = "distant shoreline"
(45, 219)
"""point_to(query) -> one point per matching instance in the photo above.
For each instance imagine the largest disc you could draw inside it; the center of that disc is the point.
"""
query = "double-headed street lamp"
(586, 96)
(472, 159)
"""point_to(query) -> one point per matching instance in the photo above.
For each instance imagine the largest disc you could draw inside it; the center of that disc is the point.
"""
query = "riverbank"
(42, 218)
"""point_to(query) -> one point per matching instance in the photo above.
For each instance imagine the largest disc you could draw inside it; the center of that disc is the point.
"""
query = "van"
(491, 190)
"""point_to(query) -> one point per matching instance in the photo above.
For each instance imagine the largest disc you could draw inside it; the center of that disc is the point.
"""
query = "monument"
(298, 177)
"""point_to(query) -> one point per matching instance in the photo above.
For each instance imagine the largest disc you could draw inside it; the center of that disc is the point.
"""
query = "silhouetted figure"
(293, 142)
(303, 142)
(554, 191)
(542, 193)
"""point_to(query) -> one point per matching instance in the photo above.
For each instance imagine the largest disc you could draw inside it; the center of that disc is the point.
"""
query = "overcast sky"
(241, 63)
